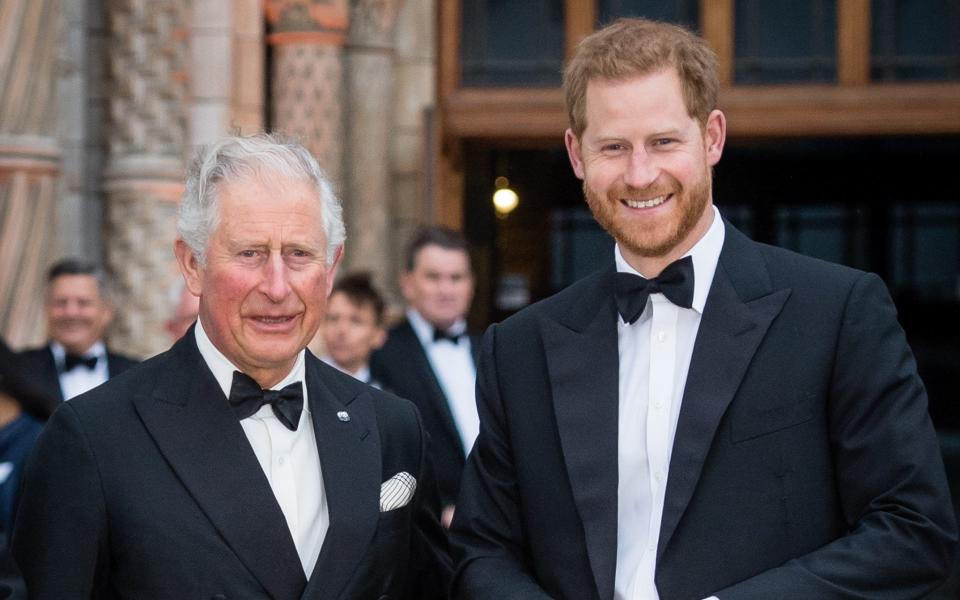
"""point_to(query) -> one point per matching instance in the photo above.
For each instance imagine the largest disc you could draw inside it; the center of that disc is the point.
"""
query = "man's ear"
(332, 269)
(572, 143)
(406, 285)
(379, 339)
(715, 135)
(189, 267)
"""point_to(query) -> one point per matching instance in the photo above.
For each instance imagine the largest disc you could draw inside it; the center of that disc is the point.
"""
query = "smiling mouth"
(646, 203)
(273, 320)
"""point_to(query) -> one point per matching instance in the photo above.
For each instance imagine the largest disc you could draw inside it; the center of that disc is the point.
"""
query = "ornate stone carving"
(148, 61)
(307, 91)
(143, 178)
(307, 85)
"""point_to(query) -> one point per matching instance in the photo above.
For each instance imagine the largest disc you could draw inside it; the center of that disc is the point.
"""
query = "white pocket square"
(397, 491)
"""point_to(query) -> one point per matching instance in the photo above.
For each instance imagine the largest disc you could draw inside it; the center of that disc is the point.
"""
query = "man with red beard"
(706, 417)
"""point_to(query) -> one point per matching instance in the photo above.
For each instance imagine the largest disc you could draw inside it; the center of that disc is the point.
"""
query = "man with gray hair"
(237, 465)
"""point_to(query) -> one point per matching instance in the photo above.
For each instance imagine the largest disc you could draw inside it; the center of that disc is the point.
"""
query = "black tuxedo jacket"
(147, 488)
(41, 370)
(804, 463)
(402, 367)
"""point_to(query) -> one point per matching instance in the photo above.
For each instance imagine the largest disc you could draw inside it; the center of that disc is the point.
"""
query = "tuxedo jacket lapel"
(740, 307)
(580, 344)
(345, 425)
(202, 440)
(423, 370)
(50, 382)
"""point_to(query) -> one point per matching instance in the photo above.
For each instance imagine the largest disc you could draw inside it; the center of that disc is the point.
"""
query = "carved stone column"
(307, 37)
(30, 35)
(411, 149)
(369, 87)
(144, 174)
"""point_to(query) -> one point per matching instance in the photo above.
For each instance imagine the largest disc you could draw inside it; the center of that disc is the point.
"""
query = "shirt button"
(280, 460)
(662, 336)
(659, 475)
(657, 404)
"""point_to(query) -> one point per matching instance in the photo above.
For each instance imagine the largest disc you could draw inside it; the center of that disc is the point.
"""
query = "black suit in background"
(804, 464)
(40, 369)
(147, 488)
(402, 367)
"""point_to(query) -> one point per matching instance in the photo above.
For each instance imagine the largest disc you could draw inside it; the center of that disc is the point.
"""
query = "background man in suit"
(237, 465)
(707, 416)
(78, 312)
(430, 358)
(353, 327)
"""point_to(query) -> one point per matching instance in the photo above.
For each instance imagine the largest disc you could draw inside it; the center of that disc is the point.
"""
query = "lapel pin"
(343, 416)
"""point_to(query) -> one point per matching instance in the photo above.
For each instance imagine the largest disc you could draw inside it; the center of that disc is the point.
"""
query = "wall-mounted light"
(504, 199)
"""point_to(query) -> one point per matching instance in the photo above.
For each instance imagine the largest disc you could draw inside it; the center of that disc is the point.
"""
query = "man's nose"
(276, 280)
(641, 171)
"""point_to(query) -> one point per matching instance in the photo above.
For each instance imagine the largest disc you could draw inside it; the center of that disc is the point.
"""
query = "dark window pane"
(579, 246)
(915, 40)
(740, 216)
(506, 42)
(829, 232)
(780, 42)
(926, 251)
(682, 12)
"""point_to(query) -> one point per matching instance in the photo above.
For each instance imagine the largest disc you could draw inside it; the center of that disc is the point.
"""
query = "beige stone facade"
(103, 104)
(30, 158)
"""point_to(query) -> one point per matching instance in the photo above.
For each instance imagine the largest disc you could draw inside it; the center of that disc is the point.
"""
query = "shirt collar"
(98, 349)
(424, 330)
(223, 369)
(705, 253)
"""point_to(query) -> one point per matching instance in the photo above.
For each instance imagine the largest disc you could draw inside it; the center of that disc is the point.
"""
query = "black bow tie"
(439, 334)
(72, 361)
(675, 282)
(246, 398)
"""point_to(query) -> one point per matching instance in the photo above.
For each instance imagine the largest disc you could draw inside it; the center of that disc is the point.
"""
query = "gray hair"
(239, 157)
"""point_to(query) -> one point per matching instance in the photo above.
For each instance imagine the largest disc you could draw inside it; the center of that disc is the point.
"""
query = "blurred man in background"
(78, 311)
(430, 357)
(353, 327)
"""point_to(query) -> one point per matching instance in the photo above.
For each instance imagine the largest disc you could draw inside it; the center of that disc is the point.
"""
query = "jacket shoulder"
(120, 362)
(136, 379)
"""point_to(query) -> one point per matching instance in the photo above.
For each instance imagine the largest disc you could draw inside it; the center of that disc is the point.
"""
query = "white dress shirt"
(655, 356)
(289, 459)
(80, 379)
(453, 365)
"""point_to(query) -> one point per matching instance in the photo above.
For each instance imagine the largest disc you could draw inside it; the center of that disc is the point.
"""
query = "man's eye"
(663, 142)
(613, 147)
(248, 253)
